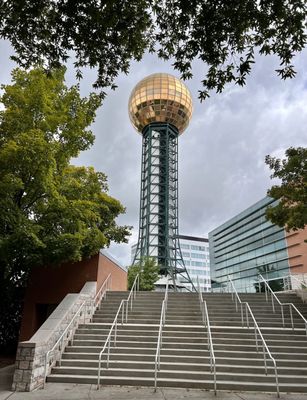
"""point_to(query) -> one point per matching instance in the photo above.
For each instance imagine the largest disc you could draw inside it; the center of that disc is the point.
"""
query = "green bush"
(149, 273)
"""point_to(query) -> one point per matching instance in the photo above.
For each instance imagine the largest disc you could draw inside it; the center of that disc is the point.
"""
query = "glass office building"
(247, 245)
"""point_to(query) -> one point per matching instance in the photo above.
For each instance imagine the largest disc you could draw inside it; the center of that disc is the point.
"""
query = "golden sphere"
(160, 98)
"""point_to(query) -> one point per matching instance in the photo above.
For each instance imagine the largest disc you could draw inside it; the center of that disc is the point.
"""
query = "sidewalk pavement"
(67, 391)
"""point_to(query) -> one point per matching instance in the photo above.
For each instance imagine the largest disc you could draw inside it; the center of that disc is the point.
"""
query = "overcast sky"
(221, 153)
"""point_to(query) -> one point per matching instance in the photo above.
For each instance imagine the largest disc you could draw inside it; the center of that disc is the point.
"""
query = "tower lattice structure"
(160, 107)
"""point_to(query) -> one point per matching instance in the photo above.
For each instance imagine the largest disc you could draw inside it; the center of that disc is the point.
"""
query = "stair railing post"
(291, 316)
(266, 292)
(115, 333)
(265, 349)
(273, 307)
(127, 305)
(108, 356)
(123, 311)
(256, 338)
(72, 338)
(214, 368)
(46, 368)
(264, 359)
(242, 318)
(99, 366)
(60, 349)
(282, 314)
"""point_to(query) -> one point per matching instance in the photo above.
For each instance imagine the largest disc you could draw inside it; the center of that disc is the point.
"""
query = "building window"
(200, 248)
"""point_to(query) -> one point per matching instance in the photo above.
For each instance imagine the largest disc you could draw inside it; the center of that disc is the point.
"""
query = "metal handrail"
(107, 284)
(123, 308)
(210, 346)
(257, 330)
(82, 311)
(132, 295)
(291, 305)
(206, 321)
(298, 280)
(159, 342)
(234, 294)
(283, 278)
(109, 338)
(64, 338)
(265, 348)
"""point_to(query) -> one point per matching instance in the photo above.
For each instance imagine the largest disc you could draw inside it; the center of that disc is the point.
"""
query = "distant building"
(195, 254)
(249, 244)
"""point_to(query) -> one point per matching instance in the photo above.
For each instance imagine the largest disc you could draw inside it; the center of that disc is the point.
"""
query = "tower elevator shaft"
(158, 223)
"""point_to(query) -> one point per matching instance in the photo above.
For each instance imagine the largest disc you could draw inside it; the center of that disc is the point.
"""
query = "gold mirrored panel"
(160, 98)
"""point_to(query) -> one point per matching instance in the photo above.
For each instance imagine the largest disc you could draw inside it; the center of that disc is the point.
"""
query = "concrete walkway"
(65, 391)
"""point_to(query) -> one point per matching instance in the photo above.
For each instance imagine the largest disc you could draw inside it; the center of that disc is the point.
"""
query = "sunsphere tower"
(160, 108)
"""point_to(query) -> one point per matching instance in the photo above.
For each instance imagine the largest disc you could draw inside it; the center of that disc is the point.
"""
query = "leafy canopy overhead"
(107, 35)
(291, 211)
(50, 211)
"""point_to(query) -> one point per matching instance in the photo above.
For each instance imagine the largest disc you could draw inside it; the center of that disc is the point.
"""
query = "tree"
(291, 210)
(50, 211)
(148, 271)
(268, 271)
(107, 35)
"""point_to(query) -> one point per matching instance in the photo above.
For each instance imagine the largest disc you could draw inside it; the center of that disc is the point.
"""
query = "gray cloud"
(221, 154)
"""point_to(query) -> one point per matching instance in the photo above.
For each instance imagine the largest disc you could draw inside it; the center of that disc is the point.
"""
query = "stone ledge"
(31, 355)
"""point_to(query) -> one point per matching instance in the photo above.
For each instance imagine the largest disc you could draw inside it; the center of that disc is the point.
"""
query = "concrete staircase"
(185, 358)
(239, 365)
(131, 361)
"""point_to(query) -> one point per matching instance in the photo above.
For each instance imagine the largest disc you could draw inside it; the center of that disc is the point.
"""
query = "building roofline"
(242, 215)
(108, 255)
(195, 238)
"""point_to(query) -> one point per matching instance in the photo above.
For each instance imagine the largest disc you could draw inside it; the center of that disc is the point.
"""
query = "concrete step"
(187, 375)
(265, 331)
(253, 354)
(195, 366)
(130, 320)
(162, 382)
(120, 342)
(184, 354)
(251, 336)
(128, 326)
(90, 339)
(97, 349)
(191, 352)
(144, 310)
(270, 342)
(291, 364)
